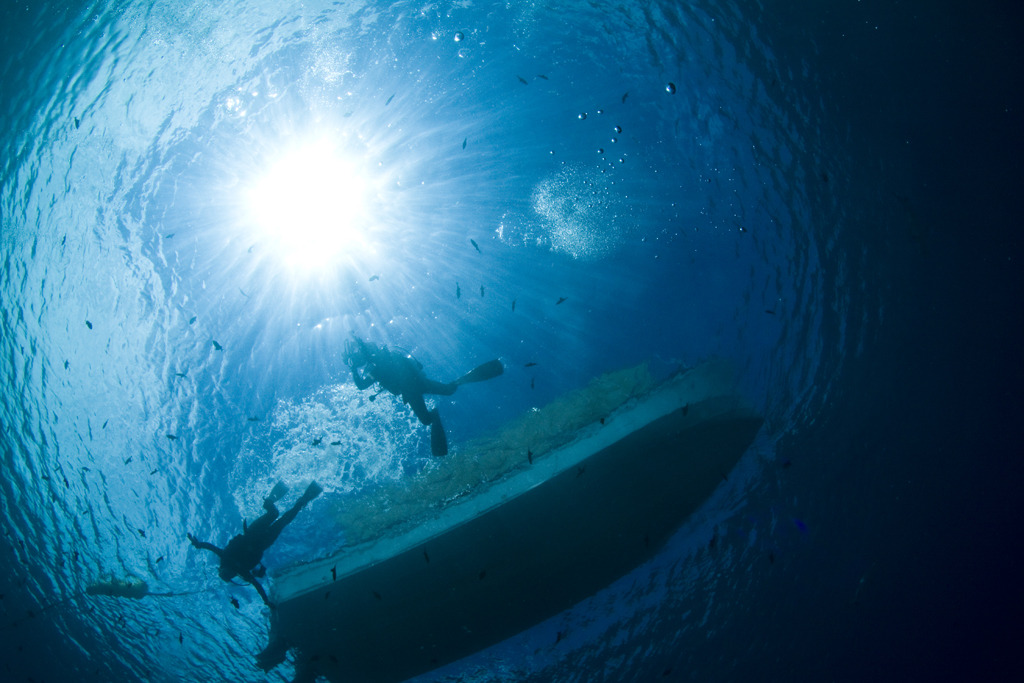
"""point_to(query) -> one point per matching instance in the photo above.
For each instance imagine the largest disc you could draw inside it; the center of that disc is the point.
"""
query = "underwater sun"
(312, 205)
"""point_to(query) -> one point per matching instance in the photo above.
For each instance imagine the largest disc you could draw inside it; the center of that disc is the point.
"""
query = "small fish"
(580, 470)
(558, 637)
(130, 457)
(77, 123)
(327, 595)
(426, 557)
(334, 573)
(171, 437)
(374, 278)
(159, 559)
(183, 375)
(88, 324)
(481, 291)
(542, 76)
(234, 602)
(475, 245)
(335, 443)
(561, 299)
(483, 574)
(464, 141)
(243, 292)
(771, 557)
(251, 247)
(529, 365)
(142, 532)
(624, 96)
(522, 80)
(66, 364)
(152, 472)
(317, 441)
(389, 100)
(253, 419)
(458, 295)
(513, 305)
(377, 595)
(181, 638)
(218, 347)
(769, 312)
(532, 382)
(529, 455)
(104, 424)
(601, 421)
(169, 236)
(192, 320)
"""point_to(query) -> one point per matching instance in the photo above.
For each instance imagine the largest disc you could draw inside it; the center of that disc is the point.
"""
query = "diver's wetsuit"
(402, 375)
(245, 551)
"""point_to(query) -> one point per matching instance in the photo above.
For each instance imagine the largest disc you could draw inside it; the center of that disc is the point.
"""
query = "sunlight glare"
(312, 205)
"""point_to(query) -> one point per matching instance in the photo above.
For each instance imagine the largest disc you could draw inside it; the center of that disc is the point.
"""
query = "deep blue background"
(929, 432)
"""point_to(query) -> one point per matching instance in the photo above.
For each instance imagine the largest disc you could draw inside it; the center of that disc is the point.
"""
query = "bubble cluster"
(580, 214)
(335, 436)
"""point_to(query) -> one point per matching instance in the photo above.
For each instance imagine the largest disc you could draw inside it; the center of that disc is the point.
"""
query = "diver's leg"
(419, 406)
(439, 388)
(312, 491)
(264, 522)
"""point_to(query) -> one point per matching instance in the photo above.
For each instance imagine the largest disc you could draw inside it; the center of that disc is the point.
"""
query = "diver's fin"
(488, 370)
(312, 491)
(438, 440)
(277, 492)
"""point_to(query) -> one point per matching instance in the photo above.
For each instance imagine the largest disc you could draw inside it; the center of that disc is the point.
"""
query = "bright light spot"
(312, 206)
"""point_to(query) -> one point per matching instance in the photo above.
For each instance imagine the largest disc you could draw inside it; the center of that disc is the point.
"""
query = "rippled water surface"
(201, 202)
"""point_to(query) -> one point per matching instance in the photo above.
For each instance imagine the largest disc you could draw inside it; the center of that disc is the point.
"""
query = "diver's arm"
(203, 545)
(247, 576)
(361, 382)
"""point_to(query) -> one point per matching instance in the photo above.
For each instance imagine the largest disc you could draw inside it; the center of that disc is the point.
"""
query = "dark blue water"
(821, 192)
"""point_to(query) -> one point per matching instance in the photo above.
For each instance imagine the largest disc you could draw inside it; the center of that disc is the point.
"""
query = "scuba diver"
(244, 553)
(402, 375)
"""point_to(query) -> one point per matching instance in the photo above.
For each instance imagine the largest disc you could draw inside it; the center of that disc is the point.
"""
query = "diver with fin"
(402, 375)
(244, 553)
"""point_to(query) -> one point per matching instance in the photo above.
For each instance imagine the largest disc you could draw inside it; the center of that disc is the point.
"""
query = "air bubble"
(618, 129)
(600, 150)
(459, 36)
(583, 115)
(670, 88)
